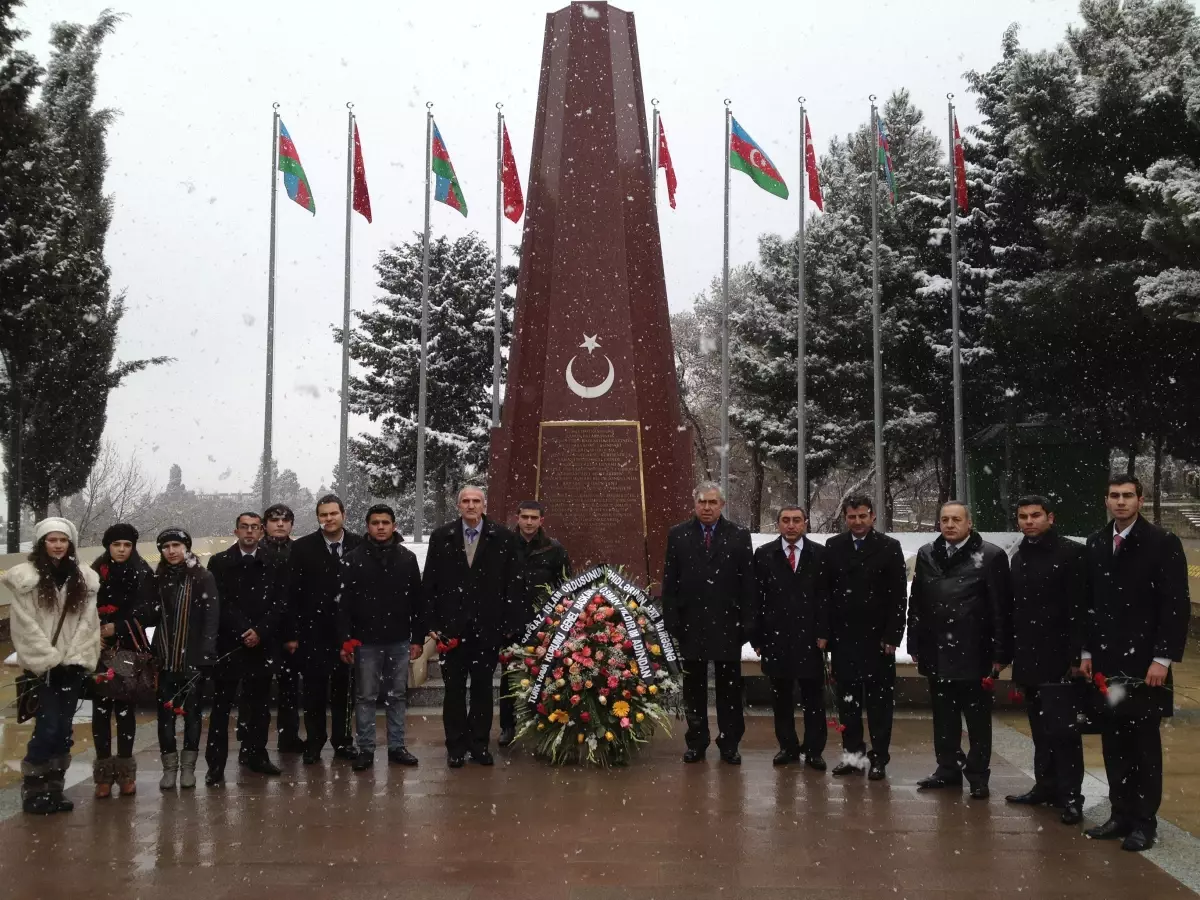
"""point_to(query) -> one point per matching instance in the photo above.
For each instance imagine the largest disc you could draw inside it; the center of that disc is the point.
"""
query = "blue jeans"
(381, 666)
(56, 709)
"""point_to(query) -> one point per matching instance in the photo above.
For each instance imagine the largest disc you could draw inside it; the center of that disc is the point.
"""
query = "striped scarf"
(176, 597)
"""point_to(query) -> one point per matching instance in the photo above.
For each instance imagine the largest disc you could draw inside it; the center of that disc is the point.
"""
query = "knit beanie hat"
(55, 523)
(167, 535)
(122, 531)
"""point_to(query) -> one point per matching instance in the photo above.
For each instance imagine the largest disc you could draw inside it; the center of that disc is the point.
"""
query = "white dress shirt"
(799, 545)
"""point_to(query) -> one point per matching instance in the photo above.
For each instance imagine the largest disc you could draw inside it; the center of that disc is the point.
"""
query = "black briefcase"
(1071, 708)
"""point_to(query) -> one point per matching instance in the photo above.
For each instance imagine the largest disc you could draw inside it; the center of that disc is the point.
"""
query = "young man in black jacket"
(382, 629)
(1137, 626)
(278, 522)
(544, 565)
(1047, 633)
(251, 587)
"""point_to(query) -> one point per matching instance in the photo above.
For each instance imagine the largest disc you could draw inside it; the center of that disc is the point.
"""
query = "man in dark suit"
(251, 587)
(708, 599)
(278, 522)
(473, 597)
(958, 634)
(315, 584)
(543, 565)
(1047, 632)
(1137, 625)
(791, 631)
(868, 599)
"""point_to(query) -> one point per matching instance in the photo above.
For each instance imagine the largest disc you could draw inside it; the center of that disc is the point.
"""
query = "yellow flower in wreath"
(524, 682)
(653, 688)
(559, 715)
(608, 735)
(579, 738)
(655, 649)
(641, 717)
(541, 726)
(620, 709)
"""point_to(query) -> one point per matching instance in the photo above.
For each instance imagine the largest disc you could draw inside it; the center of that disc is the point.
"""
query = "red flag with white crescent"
(514, 200)
(362, 199)
(664, 162)
(960, 168)
(810, 166)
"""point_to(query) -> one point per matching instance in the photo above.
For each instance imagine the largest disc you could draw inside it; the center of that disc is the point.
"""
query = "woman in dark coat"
(186, 613)
(126, 586)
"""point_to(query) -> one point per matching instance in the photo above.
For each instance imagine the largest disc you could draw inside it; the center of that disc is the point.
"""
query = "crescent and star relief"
(590, 392)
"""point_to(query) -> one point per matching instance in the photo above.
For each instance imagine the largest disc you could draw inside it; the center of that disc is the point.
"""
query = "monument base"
(589, 477)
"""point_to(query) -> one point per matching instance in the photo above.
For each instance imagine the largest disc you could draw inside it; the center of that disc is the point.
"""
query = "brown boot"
(104, 774)
(126, 771)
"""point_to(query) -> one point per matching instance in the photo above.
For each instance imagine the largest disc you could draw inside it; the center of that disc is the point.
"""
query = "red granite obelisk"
(591, 423)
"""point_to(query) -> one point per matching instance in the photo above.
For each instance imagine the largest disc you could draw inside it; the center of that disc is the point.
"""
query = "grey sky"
(190, 159)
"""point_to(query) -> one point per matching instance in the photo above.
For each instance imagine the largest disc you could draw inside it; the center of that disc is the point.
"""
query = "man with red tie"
(791, 632)
(707, 601)
(1137, 611)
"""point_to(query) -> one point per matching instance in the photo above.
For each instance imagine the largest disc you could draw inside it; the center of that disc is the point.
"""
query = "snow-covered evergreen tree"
(386, 345)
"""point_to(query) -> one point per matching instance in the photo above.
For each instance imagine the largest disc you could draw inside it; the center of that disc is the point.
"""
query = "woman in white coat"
(48, 589)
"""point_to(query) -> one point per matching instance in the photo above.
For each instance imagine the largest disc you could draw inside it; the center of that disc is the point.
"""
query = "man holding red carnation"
(1138, 610)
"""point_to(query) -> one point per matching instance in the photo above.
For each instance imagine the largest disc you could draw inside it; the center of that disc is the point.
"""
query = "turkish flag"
(362, 199)
(664, 162)
(960, 169)
(514, 201)
(810, 166)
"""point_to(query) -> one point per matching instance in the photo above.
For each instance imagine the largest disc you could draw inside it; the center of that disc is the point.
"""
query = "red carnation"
(840, 728)
(168, 705)
(1101, 682)
(541, 708)
(628, 645)
(348, 646)
(531, 662)
(832, 722)
(585, 717)
(989, 683)
(557, 673)
(107, 610)
(1015, 695)
(179, 710)
(103, 570)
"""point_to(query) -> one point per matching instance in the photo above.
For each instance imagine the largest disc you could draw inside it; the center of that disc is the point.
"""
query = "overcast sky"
(190, 155)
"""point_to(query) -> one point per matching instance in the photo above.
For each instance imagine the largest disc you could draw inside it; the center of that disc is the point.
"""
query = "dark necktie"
(858, 542)
(335, 549)
(1117, 542)
(707, 537)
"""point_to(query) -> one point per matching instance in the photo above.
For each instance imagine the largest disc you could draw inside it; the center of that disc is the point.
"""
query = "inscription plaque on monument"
(590, 474)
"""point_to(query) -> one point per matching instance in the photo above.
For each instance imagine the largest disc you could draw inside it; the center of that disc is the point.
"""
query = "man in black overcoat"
(543, 564)
(868, 598)
(314, 585)
(1047, 622)
(1137, 625)
(278, 522)
(791, 631)
(251, 586)
(708, 598)
(958, 634)
(473, 597)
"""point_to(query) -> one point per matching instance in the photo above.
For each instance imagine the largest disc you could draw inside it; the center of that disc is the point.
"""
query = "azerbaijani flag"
(884, 152)
(294, 178)
(447, 189)
(746, 156)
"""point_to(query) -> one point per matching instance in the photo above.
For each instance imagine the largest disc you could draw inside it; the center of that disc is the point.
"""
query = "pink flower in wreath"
(613, 682)
(625, 721)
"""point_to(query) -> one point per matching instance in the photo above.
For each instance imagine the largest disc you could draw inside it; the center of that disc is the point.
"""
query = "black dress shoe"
(507, 736)
(1111, 830)
(312, 757)
(290, 745)
(786, 757)
(1033, 797)
(980, 792)
(732, 757)
(363, 761)
(693, 756)
(401, 757)
(845, 769)
(482, 758)
(1138, 840)
(261, 763)
(214, 778)
(815, 761)
(1072, 813)
(877, 772)
(346, 752)
(934, 782)
(456, 762)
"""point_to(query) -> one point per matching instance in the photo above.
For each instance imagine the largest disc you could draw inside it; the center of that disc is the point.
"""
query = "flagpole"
(496, 304)
(960, 450)
(344, 435)
(654, 154)
(725, 320)
(419, 490)
(876, 337)
(801, 335)
(268, 411)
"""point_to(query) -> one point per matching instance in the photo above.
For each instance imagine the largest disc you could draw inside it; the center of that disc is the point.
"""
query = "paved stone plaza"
(658, 829)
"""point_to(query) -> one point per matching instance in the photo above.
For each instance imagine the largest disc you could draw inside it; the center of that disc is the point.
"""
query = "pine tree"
(386, 344)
